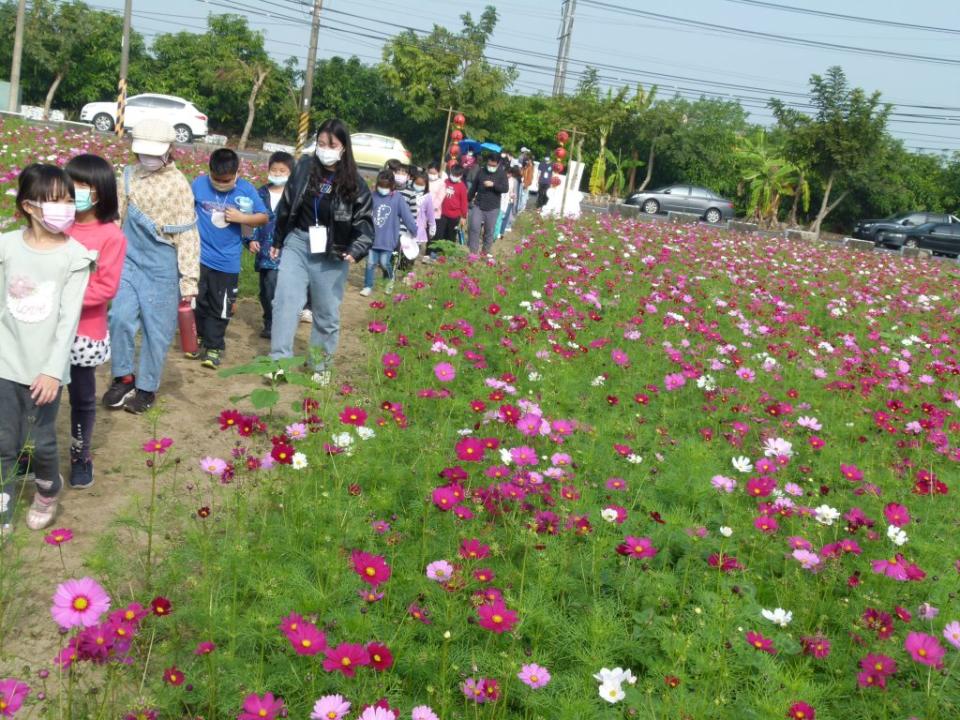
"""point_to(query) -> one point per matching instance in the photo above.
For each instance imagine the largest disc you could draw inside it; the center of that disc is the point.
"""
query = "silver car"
(686, 199)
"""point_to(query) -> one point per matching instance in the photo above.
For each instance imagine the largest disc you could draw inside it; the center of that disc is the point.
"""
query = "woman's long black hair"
(345, 183)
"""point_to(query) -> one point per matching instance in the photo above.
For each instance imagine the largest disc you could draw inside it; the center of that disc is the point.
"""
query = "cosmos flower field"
(626, 470)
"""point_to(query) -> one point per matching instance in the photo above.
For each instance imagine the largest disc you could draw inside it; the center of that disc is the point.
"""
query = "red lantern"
(454, 150)
(558, 167)
(459, 120)
(562, 137)
(560, 152)
(456, 135)
(555, 182)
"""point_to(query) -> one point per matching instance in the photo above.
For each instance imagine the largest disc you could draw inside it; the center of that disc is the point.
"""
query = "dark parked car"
(684, 198)
(869, 229)
(939, 238)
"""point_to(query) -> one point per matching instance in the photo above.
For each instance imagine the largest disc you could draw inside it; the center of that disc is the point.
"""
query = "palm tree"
(766, 178)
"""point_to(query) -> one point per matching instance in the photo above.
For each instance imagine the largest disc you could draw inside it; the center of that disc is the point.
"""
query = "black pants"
(83, 410)
(215, 298)
(542, 195)
(446, 230)
(23, 423)
(268, 288)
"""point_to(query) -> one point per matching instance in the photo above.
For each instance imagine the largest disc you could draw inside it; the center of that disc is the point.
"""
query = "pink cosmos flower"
(723, 483)
(759, 642)
(616, 484)
(12, 694)
(296, 431)
(440, 571)
(895, 567)
(470, 449)
(674, 381)
(473, 690)
(746, 374)
(878, 664)
(346, 658)
(497, 618)
(353, 416)
(306, 639)
(256, 707)
(79, 603)
(523, 455)
(896, 514)
(375, 712)
(637, 547)
(473, 549)
(391, 361)
(924, 649)
(372, 569)
(619, 357)
(330, 707)
(204, 648)
(534, 676)
(58, 536)
(213, 466)
(816, 646)
(445, 372)
(423, 712)
(951, 633)
(158, 447)
(801, 711)
(808, 560)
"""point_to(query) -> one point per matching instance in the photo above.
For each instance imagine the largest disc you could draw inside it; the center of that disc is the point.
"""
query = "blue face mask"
(83, 199)
(383, 190)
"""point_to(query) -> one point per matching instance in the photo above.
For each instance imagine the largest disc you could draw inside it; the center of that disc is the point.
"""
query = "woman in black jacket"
(324, 224)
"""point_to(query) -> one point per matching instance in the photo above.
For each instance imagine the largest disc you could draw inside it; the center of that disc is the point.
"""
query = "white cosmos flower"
(534, 376)
(779, 616)
(299, 461)
(598, 381)
(826, 515)
(617, 676)
(505, 457)
(706, 382)
(726, 531)
(811, 423)
(609, 514)
(342, 440)
(366, 433)
(742, 464)
(897, 536)
(634, 458)
(775, 447)
(612, 693)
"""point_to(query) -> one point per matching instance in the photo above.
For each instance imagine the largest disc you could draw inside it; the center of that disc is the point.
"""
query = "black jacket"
(488, 198)
(350, 232)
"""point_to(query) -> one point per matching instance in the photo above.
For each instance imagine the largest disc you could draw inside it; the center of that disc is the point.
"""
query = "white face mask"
(383, 190)
(152, 163)
(400, 178)
(433, 176)
(454, 178)
(278, 179)
(329, 156)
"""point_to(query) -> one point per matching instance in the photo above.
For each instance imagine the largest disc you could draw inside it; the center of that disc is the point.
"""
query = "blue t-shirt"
(221, 247)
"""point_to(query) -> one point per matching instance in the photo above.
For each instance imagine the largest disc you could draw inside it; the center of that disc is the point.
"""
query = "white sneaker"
(42, 511)
(366, 291)
(306, 316)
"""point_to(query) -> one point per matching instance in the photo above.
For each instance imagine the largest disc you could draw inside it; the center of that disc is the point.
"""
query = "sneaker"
(428, 260)
(81, 474)
(265, 333)
(212, 359)
(306, 316)
(321, 378)
(117, 393)
(366, 291)
(139, 402)
(195, 355)
(42, 511)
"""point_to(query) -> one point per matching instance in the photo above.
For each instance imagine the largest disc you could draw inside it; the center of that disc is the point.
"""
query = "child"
(43, 275)
(453, 211)
(224, 202)
(426, 215)
(278, 172)
(389, 209)
(436, 186)
(95, 228)
(162, 266)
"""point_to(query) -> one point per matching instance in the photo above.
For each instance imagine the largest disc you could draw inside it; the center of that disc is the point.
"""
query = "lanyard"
(316, 210)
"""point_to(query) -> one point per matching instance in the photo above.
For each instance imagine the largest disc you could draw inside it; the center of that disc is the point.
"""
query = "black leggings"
(83, 410)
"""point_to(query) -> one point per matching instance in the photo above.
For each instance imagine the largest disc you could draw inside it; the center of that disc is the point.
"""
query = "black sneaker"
(139, 402)
(117, 393)
(265, 333)
(81, 474)
(212, 359)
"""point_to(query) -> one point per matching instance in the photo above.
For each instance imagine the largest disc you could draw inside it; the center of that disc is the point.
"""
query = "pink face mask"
(57, 217)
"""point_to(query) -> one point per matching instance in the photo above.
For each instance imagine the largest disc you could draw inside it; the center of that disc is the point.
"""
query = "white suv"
(188, 122)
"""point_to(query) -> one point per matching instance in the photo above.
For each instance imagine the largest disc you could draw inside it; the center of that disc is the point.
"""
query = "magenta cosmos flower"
(895, 567)
(157, 447)
(330, 707)
(79, 603)
(256, 707)
(637, 547)
(445, 372)
(759, 642)
(534, 676)
(346, 658)
(924, 649)
(372, 569)
(12, 694)
(58, 536)
(497, 617)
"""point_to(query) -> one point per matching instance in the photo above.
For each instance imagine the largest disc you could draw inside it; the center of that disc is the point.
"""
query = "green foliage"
(767, 178)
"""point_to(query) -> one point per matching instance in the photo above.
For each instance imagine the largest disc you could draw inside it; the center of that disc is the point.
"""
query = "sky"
(699, 56)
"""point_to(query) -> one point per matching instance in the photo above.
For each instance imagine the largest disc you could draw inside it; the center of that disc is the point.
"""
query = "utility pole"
(563, 53)
(13, 105)
(124, 66)
(307, 95)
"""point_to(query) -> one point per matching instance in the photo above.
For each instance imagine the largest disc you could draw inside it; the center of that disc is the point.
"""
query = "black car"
(939, 238)
(868, 229)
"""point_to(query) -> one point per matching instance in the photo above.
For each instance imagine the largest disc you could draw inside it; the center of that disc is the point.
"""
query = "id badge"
(218, 218)
(318, 239)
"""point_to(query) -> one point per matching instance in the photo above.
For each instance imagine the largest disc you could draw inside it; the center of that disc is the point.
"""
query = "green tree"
(767, 177)
(445, 69)
(357, 94)
(841, 140)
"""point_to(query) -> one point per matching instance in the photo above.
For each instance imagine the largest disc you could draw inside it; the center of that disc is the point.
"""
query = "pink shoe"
(42, 511)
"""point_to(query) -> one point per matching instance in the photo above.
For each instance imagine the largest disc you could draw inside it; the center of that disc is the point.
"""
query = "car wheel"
(911, 243)
(712, 216)
(182, 134)
(103, 122)
(651, 207)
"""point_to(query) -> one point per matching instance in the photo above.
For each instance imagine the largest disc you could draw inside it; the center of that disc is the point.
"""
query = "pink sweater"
(111, 246)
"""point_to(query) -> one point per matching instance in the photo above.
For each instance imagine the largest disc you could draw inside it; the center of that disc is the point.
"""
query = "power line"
(850, 18)
(773, 37)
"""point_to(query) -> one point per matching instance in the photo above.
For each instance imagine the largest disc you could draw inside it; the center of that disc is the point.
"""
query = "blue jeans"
(326, 279)
(150, 305)
(383, 258)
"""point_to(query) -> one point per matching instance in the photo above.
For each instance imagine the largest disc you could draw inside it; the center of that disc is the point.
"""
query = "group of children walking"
(143, 248)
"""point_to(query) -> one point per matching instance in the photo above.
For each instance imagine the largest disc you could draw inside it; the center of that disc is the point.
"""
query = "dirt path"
(192, 398)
